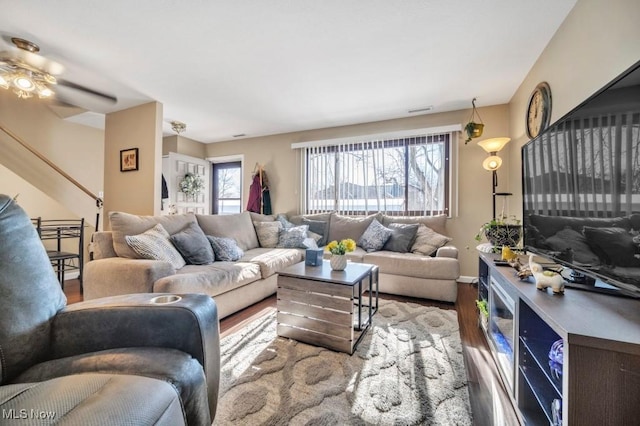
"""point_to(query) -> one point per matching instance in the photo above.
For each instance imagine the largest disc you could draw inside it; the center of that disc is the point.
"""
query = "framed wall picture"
(129, 160)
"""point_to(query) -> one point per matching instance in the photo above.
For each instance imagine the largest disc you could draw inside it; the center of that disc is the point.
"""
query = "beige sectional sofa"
(117, 269)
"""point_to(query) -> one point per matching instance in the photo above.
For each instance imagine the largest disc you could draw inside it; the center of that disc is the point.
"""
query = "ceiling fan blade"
(109, 98)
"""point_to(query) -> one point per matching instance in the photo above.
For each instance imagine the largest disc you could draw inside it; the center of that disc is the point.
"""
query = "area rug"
(407, 370)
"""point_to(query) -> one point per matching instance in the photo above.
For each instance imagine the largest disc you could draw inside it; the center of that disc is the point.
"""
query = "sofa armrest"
(117, 275)
(134, 320)
(101, 246)
(447, 251)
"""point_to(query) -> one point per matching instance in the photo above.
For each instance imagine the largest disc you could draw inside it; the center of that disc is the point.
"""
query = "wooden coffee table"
(327, 308)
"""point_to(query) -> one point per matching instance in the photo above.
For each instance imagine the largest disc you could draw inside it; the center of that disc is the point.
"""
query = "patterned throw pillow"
(155, 244)
(292, 237)
(428, 241)
(225, 249)
(268, 233)
(193, 245)
(402, 237)
(374, 236)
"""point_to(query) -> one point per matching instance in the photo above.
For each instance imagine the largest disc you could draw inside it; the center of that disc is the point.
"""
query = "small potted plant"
(338, 250)
(501, 231)
(484, 312)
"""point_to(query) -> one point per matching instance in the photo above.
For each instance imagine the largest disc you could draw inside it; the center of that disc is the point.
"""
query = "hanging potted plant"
(473, 128)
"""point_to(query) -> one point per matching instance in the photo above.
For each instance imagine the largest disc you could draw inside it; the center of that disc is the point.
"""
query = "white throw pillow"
(155, 244)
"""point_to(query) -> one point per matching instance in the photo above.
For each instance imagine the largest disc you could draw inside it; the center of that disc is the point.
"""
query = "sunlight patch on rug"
(408, 369)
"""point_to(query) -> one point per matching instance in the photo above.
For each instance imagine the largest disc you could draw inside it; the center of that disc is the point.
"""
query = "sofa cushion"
(438, 222)
(225, 249)
(354, 256)
(402, 237)
(323, 217)
(374, 237)
(414, 265)
(428, 241)
(214, 279)
(342, 227)
(292, 237)
(272, 261)
(155, 244)
(236, 226)
(193, 245)
(123, 224)
(268, 233)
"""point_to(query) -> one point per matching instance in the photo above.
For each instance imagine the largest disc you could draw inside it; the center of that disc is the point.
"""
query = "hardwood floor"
(490, 402)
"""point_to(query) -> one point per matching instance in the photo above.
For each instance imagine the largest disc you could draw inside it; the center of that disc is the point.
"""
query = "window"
(227, 184)
(406, 176)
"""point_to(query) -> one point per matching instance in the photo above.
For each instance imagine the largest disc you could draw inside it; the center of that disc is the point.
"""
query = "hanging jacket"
(266, 196)
(255, 195)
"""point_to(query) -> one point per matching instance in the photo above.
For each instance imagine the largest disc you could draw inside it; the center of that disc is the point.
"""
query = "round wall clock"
(538, 110)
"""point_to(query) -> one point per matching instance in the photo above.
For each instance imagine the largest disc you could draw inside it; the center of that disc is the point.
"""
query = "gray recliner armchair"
(130, 359)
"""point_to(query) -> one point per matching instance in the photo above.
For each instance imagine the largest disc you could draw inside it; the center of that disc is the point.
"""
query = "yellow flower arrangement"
(342, 247)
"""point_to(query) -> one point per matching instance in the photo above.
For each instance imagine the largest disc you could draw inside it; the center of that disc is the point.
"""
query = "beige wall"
(181, 145)
(282, 165)
(76, 149)
(597, 42)
(136, 192)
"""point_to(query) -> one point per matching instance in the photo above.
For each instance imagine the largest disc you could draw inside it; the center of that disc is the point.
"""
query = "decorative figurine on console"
(544, 279)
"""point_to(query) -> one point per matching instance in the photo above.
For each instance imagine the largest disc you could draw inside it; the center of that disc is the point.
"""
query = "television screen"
(581, 189)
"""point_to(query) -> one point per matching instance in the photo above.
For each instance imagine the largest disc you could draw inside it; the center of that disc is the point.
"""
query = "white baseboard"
(467, 279)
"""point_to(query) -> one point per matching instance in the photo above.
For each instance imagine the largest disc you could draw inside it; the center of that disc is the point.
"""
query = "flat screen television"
(581, 190)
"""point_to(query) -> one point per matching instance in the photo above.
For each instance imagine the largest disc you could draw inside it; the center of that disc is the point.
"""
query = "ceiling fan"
(29, 74)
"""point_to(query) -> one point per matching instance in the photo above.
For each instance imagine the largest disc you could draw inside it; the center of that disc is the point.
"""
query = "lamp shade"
(494, 144)
(492, 163)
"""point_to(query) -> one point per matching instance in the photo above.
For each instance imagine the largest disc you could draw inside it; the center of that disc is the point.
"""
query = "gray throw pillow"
(155, 244)
(292, 237)
(225, 249)
(319, 227)
(283, 220)
(402, 237)
(193, 245)
(374, 237)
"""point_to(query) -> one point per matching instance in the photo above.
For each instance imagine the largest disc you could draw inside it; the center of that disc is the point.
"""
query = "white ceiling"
(254, 67)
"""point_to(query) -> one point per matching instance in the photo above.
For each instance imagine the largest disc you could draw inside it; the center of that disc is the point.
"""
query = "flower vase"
(338, 262)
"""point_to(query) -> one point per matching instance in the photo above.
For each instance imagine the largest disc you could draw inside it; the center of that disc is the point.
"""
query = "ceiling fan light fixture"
(178, 126)
(24, 82)
(45, 92)
(4, 81)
